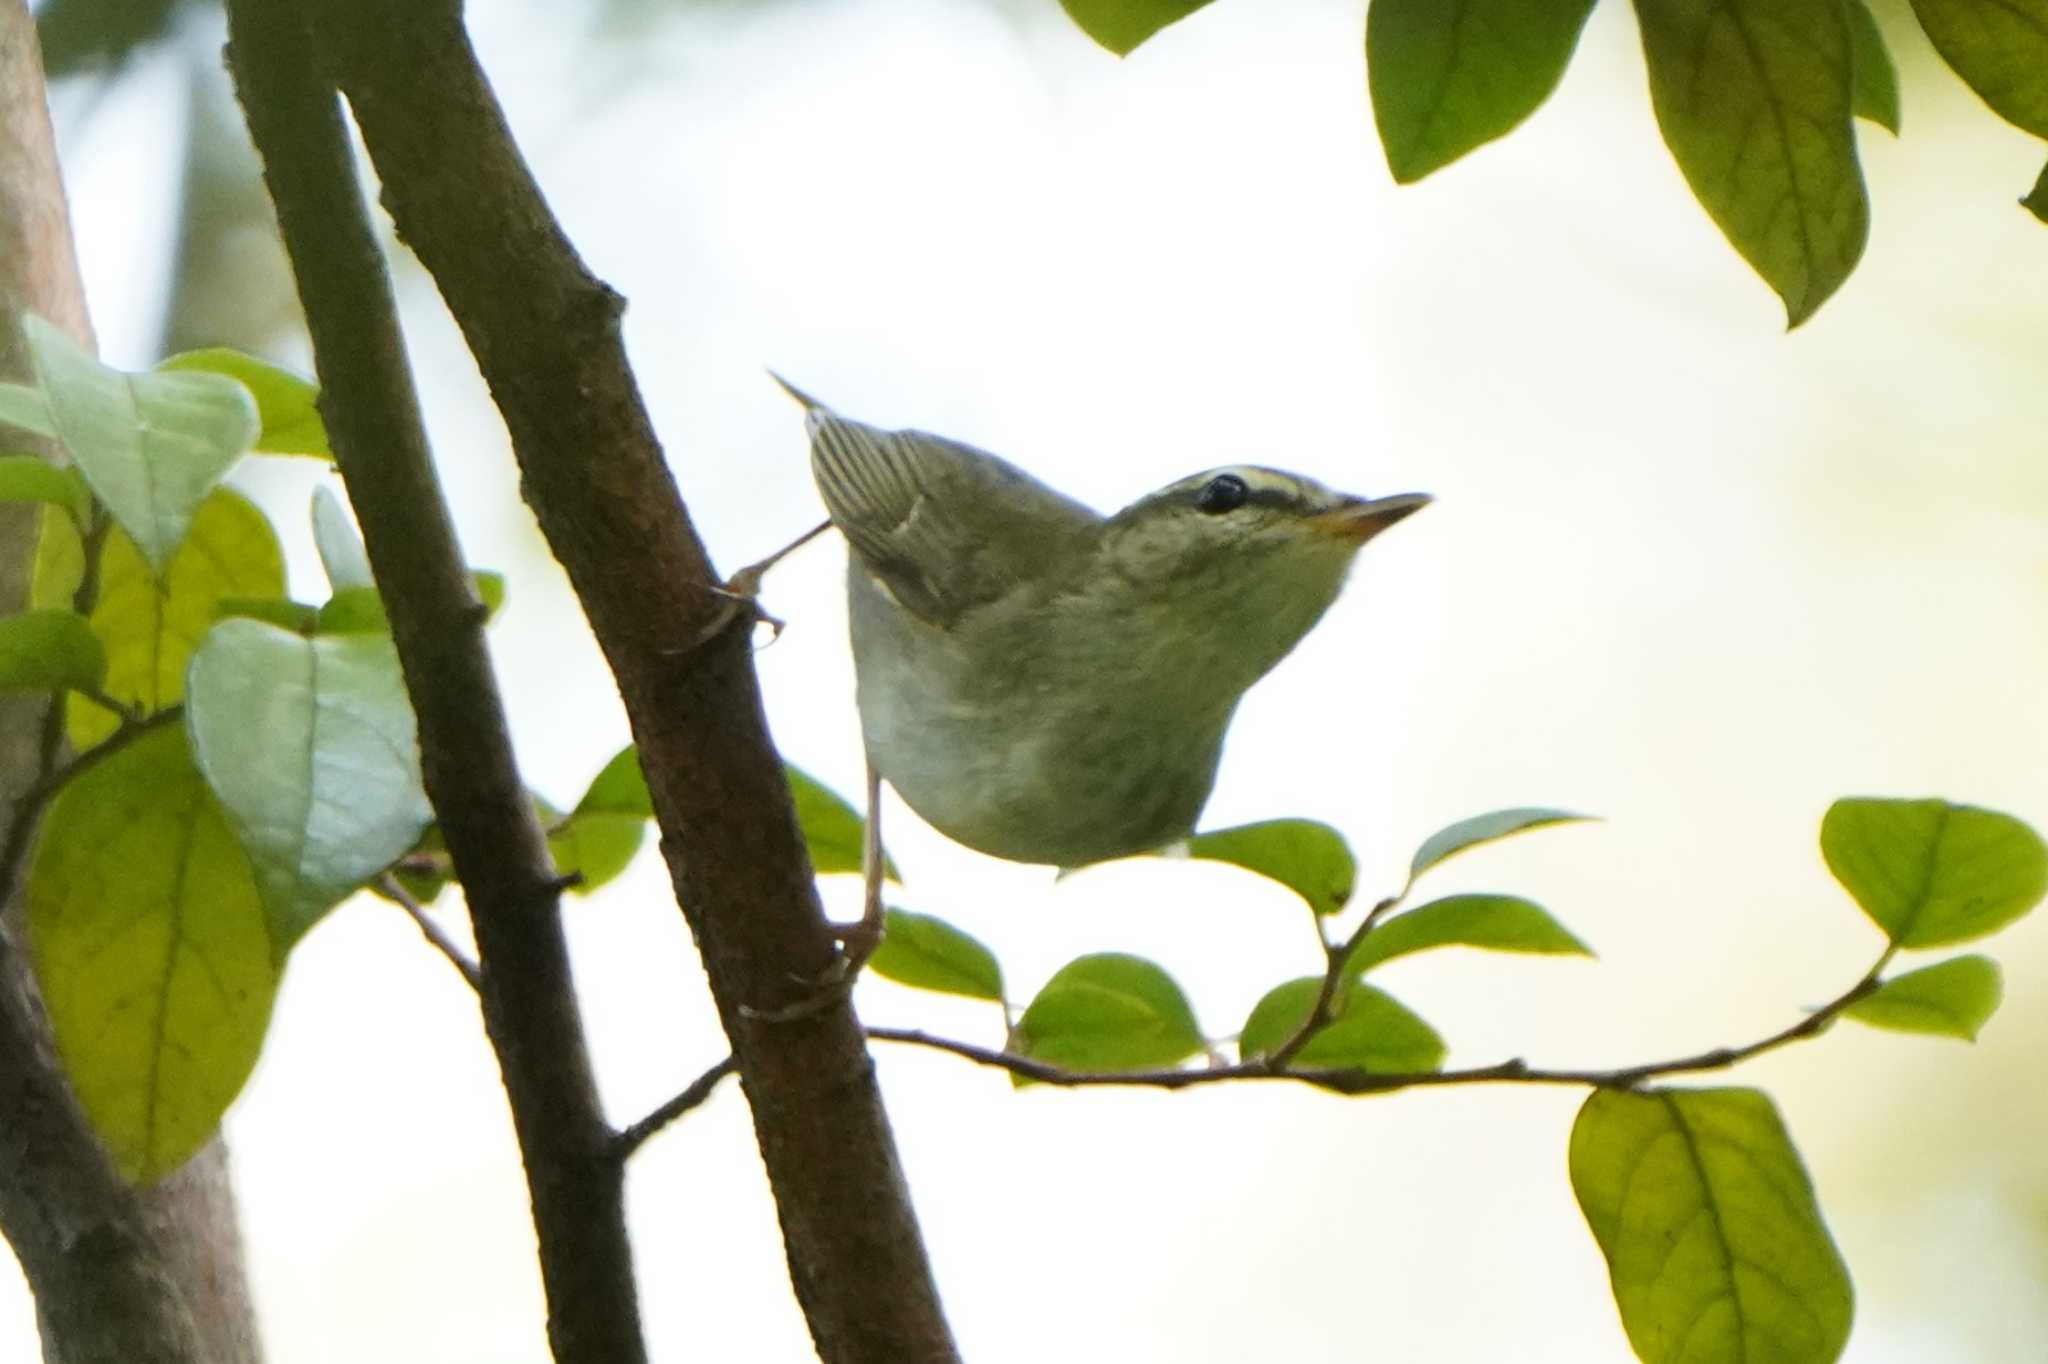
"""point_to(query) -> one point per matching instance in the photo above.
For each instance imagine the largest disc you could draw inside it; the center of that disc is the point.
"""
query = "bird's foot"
(857, 942)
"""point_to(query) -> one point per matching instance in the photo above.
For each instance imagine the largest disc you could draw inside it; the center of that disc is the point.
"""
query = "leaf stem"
(54, 774)
(695, 1093)
(388, 887)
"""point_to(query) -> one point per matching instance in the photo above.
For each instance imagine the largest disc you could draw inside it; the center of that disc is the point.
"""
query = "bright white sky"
(1685, 571)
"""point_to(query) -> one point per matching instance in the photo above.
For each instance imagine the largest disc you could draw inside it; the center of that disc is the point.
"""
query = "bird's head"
(1245, 559)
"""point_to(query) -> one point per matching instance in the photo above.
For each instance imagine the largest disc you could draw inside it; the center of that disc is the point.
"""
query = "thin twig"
(1337, 957)
(695, 1093)
(21, 828)
(393, 890)
(1351, 1080)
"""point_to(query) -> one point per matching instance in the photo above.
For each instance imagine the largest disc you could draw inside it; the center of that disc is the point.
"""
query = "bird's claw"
(857, 942)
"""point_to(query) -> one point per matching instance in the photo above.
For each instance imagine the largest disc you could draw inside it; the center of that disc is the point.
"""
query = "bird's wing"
(946, 527)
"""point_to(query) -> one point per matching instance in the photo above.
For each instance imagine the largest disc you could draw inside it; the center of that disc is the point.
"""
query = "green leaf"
(1876, 94)
(1498, 923)
(1754, 99)
(310, 746)
(832, 828)
(46, 650)
(1998, 47)
(59, 566)
(151, 622)
(930, 954)
(26, 478)
(1712, 1236)
(1308, 858)
(490, 590)
(595, 847)
(152, 445)
(150, 946)
(1954, 998)
(1451, 75)
(1930, 873)
(1469, 833)
(1369, 1030)
(22, 407)
(282, 612)
(341, 549)
(618, 788)
(286, 403)
(352, 611)
(2036, 200)
(1120, 25)
(1109, 1011)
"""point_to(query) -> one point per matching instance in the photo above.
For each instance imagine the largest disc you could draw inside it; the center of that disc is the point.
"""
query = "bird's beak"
(1362, 518)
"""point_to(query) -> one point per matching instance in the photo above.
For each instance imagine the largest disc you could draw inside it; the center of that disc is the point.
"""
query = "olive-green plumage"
(1045, 684)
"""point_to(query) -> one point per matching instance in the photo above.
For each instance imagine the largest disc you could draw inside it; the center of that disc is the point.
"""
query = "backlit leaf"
(1877, 80)
(1109, 1011)
(1954, 998)
(46, 650)
(928, 953)
(2000, 47)
(1498, 923)
(286, 403)
(1470, 833)
(1308, 858)
(1120, 25)
(1369, 1030)
(1931, 873)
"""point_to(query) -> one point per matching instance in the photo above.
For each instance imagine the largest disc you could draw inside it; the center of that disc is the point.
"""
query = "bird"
(1043, 683)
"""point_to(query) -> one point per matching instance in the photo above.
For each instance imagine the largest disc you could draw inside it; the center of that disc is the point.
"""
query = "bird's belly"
(1034, 777)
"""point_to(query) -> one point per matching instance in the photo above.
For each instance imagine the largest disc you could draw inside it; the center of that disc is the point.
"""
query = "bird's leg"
(859, 940)
(742, 591)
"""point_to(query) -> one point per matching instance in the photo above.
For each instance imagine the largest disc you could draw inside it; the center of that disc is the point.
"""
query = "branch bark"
(545, 333)
(494, 838)
(95, 1257)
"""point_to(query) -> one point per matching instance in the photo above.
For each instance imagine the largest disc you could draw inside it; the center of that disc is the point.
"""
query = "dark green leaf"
(1931, 873)
(150, 946)
(2036, 200)
(1308, 858)
(1754, 99)
(833, 829)
(60, 562)
(2000, 47)
(1451, 75)
(341, 549)
(1120, 25)
(930, 954)
(150, 622)
(295, 616)
(1954, 998)
(22, 407)
(46, 650)
(595, 847)
(309, 744)
(1109, 1011)
(1877, 80)
(1468, 833)
(151, 445)
(1712, 1236)
(1499, 923)
(1369, 1030)
(286, 403)
(25, 478)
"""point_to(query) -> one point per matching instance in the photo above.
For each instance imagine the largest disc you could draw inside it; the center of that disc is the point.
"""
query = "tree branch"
(695, 1093)
(29, 807)
(545, 334)
(373, 422)
(1354, 1081)
(387, 886)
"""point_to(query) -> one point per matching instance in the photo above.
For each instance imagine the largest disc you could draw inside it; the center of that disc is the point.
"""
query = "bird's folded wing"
(948, 528)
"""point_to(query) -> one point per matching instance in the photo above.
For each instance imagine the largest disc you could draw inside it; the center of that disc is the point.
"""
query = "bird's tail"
(810, 404)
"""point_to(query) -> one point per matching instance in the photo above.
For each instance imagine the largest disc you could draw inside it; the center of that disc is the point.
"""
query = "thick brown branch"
(545, 334)
(373, 422)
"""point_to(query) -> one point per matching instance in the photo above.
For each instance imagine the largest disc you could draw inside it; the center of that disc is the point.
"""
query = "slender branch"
(526, 989)
(1336, 956)
(1350, 1080)
(695, 1093)
(389, 888)
(55, 775)
(545, 334)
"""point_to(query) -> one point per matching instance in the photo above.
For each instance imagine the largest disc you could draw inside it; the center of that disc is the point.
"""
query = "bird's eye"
(1223, 493)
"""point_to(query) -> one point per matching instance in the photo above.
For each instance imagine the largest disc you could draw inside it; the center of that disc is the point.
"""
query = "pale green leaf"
(1369, 1030)
(1498, 923)
(2000, 48)
(286, 403)
(22, 407)
(928, 953)
(352, 611)
(1930, 873)
(1954, 998)
(1877, 80)
(341, 549)
(152, 445)
(1713, 1239)
(1469, 833)
(1754, 98)
(595, 847)
(150, 623)
(310, 746)
(295, 616)
(1451, 75)
(59, 566)
(832, 828)
(1109, 1011)
(26, 478)
(150, 946)
(46, 650)
(1120, 25)
(1308, 858)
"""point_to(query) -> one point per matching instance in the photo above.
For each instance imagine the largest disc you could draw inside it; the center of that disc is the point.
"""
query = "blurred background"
(1686, 571)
